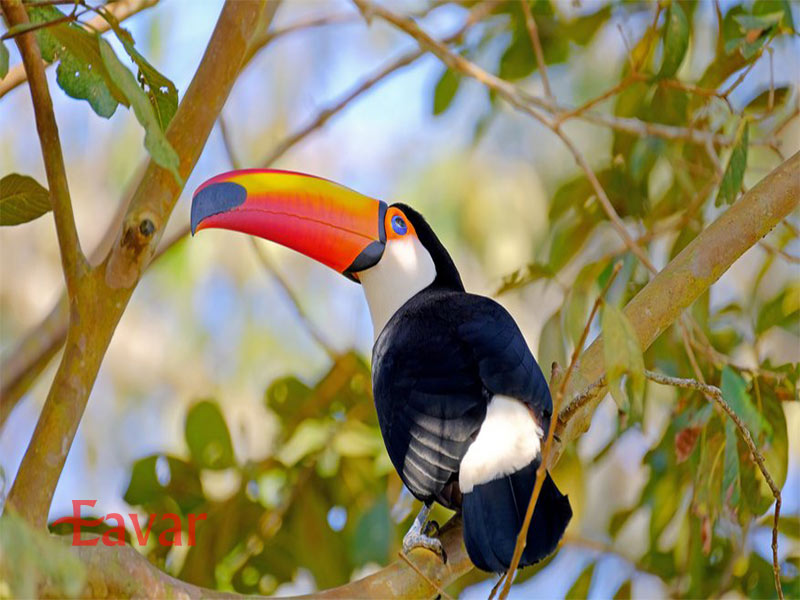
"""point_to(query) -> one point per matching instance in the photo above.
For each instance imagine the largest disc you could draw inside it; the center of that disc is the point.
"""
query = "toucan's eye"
(399, 225)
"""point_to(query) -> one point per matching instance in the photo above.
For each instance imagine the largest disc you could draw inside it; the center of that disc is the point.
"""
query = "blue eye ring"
(399, 225)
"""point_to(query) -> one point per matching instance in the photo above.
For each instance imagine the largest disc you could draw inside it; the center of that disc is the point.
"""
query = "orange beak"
(319, 218)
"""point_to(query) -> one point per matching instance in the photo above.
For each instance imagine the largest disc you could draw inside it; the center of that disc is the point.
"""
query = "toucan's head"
(390, 249)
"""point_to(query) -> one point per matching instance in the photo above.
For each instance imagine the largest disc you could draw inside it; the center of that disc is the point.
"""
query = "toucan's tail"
(493, 513)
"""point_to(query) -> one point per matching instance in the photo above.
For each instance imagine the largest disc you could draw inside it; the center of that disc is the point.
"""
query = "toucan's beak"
(326, 221)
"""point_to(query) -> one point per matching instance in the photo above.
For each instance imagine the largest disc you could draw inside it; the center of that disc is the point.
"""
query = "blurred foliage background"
(238, 383)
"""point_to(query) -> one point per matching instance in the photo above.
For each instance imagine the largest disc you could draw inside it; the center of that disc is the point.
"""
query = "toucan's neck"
(405, 269)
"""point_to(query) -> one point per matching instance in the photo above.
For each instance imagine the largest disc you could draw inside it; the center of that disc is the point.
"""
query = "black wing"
(436, 365)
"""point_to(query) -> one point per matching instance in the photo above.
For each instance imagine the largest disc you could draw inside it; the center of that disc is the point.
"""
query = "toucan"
(462, 404)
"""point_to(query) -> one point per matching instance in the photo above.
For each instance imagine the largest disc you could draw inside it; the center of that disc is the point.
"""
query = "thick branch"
(692, 272)
(72, 260)
(105, 293)
(21, 366)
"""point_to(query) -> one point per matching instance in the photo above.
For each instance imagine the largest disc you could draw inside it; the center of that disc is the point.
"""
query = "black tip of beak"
(215, 199)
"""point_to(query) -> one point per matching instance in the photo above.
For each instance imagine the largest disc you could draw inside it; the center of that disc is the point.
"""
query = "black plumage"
(436, 365)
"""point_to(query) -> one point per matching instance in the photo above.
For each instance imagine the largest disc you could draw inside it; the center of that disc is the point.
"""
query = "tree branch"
(73, 261)
(20, 367)
(107, 289)
(533, 33)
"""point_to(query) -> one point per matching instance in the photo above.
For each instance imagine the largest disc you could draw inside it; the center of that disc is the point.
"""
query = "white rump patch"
(507, 442)
(405, 268)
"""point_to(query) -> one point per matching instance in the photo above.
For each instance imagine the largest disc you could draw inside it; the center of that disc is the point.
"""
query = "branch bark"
(104, 293)
(689, 274)
(73, 262)
(21, 365)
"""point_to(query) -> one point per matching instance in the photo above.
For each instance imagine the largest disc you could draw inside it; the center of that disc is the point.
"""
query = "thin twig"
(73, 261)
(530, 104)
(581, 399)
(417, 570)
(298, 306)
(714, 393)
(522, 537)
(779, 252)
(533, 33)
(365, 85)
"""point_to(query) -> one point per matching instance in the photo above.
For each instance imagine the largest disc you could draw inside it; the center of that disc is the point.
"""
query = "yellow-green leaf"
(623, 356)
(580, 589)
(734, 172)
(22, 199)
(3, 60)
(445, 91)
(208, 437)
(80, 73)
(155, 141)
(676, 40)
(162, 93)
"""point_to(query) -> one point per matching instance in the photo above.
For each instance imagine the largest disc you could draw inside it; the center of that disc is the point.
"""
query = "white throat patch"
(507, 442)
(405, 268)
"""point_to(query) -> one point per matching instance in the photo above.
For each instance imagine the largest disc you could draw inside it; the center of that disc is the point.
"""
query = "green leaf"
(80, 73)
(763, 7)
(162, 93)
(580, 589)
(372, 538)
(3, 60)
(624, 592)
(208, 437)
(36, 559)
(179, 486)
(759, 102)
(155, 141)
(445, 91)
(623, 356)
(731, 484)
(734, 173)
(782, 311)
(760, 23)
(310, 436)
(734, 391)
(521, 277)
(676, 40)
(22, 199)
(357, 439)
(551, 343)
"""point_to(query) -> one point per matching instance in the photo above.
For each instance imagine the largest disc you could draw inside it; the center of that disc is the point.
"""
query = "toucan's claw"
(420, 535)
(431, 529)
(419, 540)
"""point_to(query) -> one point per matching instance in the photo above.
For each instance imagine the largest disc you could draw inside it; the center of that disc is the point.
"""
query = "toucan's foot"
(420, 540)
(421, 535)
